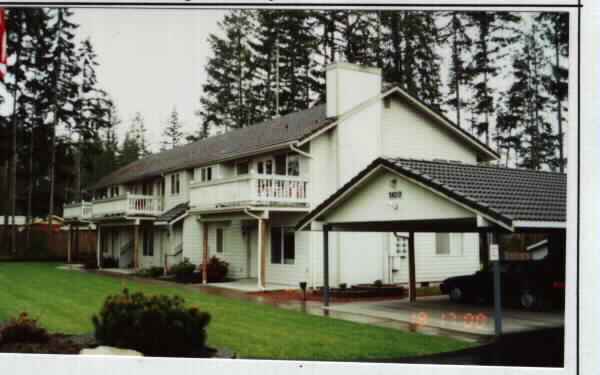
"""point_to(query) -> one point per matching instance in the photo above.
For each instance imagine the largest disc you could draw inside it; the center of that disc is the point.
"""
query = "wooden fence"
(83, 244)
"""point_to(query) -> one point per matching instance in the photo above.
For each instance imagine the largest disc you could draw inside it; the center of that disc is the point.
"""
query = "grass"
(64, 301)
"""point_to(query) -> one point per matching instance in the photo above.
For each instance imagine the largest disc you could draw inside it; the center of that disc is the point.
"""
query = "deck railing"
(252, 189)
(78, 210)
(128, 205)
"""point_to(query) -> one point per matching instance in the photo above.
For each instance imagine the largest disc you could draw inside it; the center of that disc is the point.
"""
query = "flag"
(2, 42)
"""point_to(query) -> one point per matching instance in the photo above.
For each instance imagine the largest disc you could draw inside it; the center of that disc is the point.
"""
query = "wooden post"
(259, 249)
(326, 265)
(69, 233)
(263, 253)
(205, 253)
(136, 243)
(98, 249)
(412, 284)
(497, 288)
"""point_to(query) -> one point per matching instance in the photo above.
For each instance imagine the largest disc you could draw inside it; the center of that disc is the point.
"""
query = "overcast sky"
(150, 61)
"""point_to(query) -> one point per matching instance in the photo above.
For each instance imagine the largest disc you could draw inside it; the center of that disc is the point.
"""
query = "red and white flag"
(2, 42)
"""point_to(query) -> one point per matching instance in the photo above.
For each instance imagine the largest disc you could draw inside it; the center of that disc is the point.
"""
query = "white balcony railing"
(78, 210)
(128, 205)
(253, 189)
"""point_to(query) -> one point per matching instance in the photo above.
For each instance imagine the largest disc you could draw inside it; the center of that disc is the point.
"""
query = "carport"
(406, 195)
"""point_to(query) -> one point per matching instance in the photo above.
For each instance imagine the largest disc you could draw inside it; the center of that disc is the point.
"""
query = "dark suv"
(534, 285)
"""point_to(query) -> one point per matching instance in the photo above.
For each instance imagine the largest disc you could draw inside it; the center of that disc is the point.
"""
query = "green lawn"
(65, 300)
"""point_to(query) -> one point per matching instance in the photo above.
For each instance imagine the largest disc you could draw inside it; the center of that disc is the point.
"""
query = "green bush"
(151, 272)
(23, 329)
(183, 271)
(153, 325)
(109, 262)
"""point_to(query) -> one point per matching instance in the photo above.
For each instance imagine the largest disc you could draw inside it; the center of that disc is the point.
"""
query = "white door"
(398, 258)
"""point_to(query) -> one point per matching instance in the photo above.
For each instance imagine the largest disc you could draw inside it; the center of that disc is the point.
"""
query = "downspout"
(303, 153)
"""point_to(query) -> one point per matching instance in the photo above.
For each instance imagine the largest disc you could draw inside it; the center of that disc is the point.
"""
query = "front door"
(398, 258)
(251, 245)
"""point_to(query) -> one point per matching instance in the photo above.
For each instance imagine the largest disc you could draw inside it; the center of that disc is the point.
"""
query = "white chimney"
(350, 84)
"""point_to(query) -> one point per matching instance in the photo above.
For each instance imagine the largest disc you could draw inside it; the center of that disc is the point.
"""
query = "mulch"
(58, 343)
(296, 295)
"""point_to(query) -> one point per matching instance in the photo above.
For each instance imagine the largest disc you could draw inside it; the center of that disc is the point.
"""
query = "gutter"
(294, 148)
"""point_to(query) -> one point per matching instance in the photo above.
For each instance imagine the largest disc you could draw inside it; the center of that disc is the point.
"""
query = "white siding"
(361, 257)
(432, 267)
(322, 168)
(291, 274)
(234, 247)
(408, 133)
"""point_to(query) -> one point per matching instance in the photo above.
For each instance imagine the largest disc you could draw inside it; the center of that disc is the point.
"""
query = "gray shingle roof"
(268, 133)
(516, 194)
(173, 213)
(506, 194)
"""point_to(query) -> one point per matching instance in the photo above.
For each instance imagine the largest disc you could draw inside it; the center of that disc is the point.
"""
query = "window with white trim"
(206, 174)
(219, 241)
(175, 184)
(242, 168)
(283, 247)
(442, 244)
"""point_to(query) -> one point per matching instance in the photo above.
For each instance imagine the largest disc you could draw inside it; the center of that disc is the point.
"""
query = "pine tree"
(494, 32)
(225, 102)
(172, 132)
(134, 145)
(455, 34)
(555, 33)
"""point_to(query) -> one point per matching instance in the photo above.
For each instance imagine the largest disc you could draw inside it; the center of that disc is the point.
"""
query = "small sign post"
(494, 253)
(495, 258)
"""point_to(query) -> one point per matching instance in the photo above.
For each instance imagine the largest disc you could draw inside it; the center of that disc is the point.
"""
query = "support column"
(326, 265)
(136, 243)
(263, 252)
(259, 253)
(205, 253)
(98, 249)
(69, 234)
(412, 280)
(77, 251)
(497, 287)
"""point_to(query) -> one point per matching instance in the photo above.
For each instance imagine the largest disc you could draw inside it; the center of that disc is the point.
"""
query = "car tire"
(457, 294)
(530, 300)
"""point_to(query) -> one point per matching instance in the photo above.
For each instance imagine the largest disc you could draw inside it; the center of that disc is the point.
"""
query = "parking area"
(439, 312)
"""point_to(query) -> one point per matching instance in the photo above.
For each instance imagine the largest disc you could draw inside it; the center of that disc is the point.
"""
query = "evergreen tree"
(555, 34)
(134, 145)
(225, 102)
(495, 32)
(172, 133)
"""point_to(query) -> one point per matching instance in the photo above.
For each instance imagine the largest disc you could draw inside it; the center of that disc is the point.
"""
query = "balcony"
(77, 211)
(256, 190)
(128, 205)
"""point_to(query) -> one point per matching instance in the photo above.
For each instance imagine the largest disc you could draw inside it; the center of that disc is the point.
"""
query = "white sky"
(150, 61)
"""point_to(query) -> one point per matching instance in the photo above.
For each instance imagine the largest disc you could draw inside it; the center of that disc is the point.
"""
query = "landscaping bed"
(344, 295)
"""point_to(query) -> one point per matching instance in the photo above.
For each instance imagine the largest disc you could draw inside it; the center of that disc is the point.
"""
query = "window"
(175, 185)
(114, 191)
(206, 174)
(219, 239)
(283, 248)
(148, 243)
(242, 168)
(293, 165)
(442, 244)
(280, 161)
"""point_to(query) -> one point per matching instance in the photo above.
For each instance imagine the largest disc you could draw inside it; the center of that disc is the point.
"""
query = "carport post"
(497, 289)
(412, 280)
(326, 265)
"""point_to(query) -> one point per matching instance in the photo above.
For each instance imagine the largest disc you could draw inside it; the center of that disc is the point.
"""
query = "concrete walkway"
(439, 312)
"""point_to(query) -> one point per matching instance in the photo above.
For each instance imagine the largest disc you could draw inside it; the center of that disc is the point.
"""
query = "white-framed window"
(282, 164)
(219, 241)
(175, 184)
(206, 174)
(449, 244)
(114, 191)
(283, 247)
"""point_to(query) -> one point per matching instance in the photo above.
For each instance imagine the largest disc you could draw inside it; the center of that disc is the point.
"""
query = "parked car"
(534, 285)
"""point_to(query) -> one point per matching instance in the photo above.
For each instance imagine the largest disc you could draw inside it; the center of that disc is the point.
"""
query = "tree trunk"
(561, 157)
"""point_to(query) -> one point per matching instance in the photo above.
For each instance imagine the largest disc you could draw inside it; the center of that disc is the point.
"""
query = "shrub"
(23, 329)
(90, 263)
(378, 283)
(151, 272)
(216, 270)
(183, 271)
(153, 325)
(343, 285)
(110, 262)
